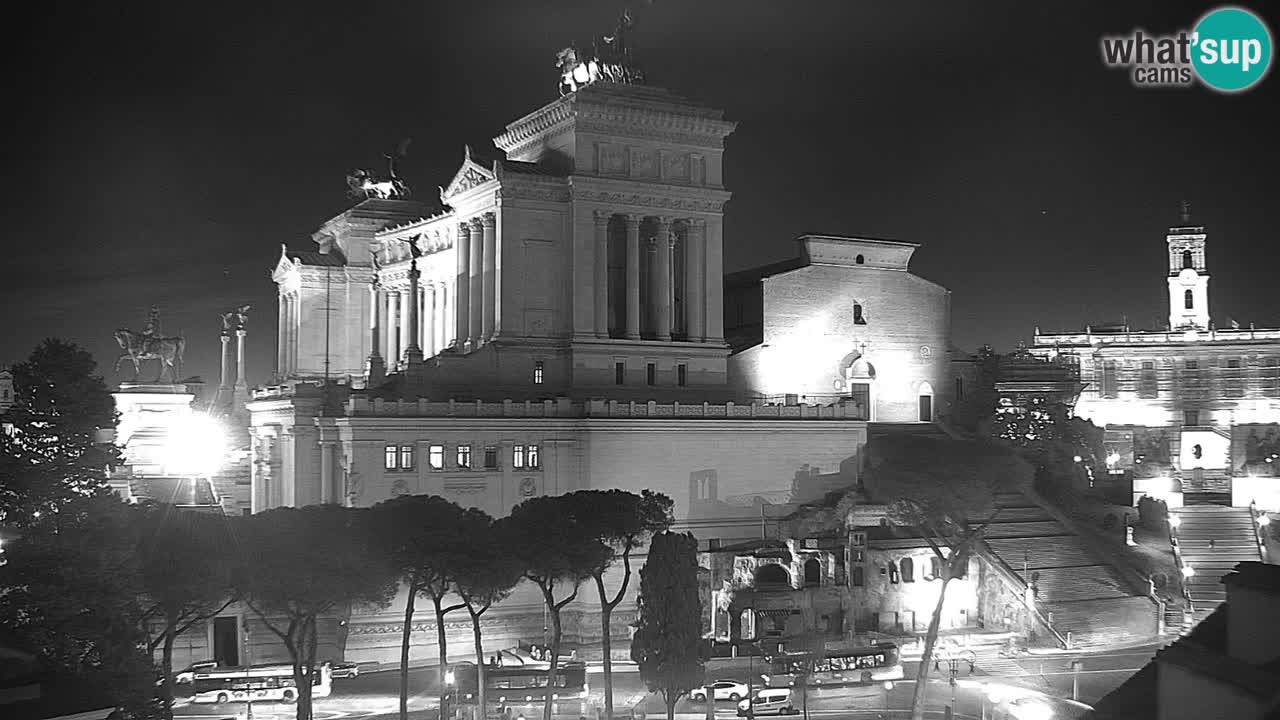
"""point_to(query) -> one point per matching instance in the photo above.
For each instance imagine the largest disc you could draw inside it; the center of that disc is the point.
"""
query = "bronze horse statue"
(139, 347)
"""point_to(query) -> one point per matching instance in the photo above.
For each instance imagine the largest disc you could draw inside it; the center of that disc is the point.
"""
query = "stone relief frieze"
(612, 160)
(642, 164)
(675, 166)
(639, 200)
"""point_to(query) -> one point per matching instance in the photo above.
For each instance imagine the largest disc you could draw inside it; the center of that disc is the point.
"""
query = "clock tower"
(1188, 277)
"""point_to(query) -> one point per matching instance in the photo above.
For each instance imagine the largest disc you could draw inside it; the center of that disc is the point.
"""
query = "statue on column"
(242, 317)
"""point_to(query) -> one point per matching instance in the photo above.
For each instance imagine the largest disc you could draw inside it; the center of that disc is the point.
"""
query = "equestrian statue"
(151, 344)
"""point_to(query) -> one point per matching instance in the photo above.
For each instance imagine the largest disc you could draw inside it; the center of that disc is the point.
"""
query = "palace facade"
(560, 324)
(1193, 411)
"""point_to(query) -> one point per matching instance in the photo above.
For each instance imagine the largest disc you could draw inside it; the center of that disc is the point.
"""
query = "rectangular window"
(1234, 363)
(517, 456)
(682, 374)
(1148, 385)
(406, 457)
(390, 459)
(490, 457)
(464, 456)
(1191, 418)
(959, 388)
(532, 457)
(619, 373)
(435, 456)
(537, 372)
(1191, 364)
(1109, 384)
(650, 374)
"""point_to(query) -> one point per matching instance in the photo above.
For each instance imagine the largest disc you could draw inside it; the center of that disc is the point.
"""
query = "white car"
(731, 690)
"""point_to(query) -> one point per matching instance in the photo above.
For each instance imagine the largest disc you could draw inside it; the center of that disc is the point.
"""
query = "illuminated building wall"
(1191, 385)
(846, 321)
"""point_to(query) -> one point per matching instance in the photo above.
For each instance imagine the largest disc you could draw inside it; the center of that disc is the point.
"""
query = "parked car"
(188, 674)
(769, 701)
(721, 690)
(344, 669)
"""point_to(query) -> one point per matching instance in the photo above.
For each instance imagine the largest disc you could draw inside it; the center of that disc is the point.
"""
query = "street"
(376, 694)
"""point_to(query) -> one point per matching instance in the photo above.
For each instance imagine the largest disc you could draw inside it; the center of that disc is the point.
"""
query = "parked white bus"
(255, 683)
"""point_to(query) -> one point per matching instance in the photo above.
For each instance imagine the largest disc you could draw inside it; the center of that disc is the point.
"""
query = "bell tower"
(1188, 276)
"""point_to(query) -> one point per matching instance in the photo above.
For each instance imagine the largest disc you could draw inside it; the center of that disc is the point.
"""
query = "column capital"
(464, 228)
(477, 225)
(632, 220)
(601, 217)
(697, 223)
(664, 221)
(488, 220)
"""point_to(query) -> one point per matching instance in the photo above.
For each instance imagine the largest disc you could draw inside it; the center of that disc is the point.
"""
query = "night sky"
(159, 154)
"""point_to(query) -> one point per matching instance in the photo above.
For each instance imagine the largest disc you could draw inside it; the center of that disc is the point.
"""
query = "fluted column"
(475, 283)
(489, 312)
(661, 285)
(695, 264)
(462, 316)
(295, 319)
(429, 343)
(242, 386)
(395, 329)
(388, 328)
(602, 274)
(448, 325)
(715, 281)
(412, 350)
(282, 327)
(224, 385)
(376, 368)
(633, 276)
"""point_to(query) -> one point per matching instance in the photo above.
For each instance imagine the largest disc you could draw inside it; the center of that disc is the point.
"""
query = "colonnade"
(289, 322)
(392, 321)
(677, 258)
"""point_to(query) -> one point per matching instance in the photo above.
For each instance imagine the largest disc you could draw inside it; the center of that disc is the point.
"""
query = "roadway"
(375, 695)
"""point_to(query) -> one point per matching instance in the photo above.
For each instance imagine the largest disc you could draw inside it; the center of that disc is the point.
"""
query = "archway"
(772, 574)
(925, 395)
(860, 377)
(812, 572)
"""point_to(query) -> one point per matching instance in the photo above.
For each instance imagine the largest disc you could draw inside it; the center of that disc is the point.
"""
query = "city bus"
(520, 685)
(255, 683)
(854, 666)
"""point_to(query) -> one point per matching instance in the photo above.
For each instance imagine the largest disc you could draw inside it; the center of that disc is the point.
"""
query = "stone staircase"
(1212, 540)
(1080, 595)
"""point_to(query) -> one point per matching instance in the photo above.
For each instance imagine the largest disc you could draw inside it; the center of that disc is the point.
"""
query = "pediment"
(470, 175)
(284, 266)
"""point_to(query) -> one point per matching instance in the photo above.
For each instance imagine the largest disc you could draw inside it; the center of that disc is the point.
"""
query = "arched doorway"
(925, 395)
(812, 572)
(772, 574)
(860, 379)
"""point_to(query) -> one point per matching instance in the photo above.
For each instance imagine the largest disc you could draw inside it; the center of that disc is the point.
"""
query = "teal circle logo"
(1231, 49)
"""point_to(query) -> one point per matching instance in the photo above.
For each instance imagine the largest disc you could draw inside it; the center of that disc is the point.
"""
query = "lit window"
(464, 456)
(533, 459)
(682, 374)
(537, 372)
(406, 457)
(435, 456)
(490, 457)
(517, 456)
(619, 373)
(390, 458)
(650, 374)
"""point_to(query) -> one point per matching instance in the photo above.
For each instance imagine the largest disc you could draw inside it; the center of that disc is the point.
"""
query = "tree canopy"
(52, 455)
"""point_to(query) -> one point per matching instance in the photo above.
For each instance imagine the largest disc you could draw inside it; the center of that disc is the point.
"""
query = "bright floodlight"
(449, 678)
(1031, 710)
(888, 685)
(1188, 571)
(1264, 520)
(196, 445)
(1077, 458)
(1113, 458)
(1174, 521)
